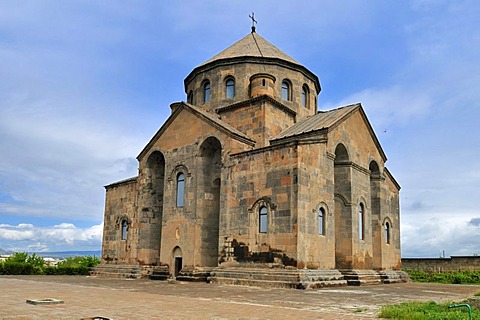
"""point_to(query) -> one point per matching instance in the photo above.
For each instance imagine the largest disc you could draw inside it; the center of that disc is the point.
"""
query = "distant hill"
(67, 254)
(3, 251)
(61, 254)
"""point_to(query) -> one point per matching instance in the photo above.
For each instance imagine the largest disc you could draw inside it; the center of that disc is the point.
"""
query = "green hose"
(463, 305)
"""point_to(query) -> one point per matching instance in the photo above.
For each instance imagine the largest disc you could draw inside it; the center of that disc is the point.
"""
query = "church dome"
(251, 67)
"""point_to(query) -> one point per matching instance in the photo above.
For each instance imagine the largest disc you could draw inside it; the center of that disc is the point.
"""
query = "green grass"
(459, 277)
(477, 294)
(426, 311)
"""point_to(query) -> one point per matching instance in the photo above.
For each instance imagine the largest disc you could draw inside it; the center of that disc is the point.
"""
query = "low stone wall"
(454, 263)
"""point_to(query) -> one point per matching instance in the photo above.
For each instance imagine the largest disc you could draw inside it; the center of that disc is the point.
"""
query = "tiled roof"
(132, 179)
(252, 45)
(322, 120)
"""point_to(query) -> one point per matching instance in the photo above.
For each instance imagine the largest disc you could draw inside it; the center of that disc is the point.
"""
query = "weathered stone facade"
(249, 174)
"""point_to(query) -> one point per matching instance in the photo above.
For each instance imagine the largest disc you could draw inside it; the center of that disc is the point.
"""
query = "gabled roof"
(325, 121)
(252, 45)
(322, 120)
(124, 181)
(208, 117)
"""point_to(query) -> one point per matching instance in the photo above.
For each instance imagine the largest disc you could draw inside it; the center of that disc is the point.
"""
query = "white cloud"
(396, 105)
(61, 237)
(454, 235)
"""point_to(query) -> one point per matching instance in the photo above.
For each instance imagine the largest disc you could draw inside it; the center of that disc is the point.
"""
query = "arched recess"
(343, 208)
(123, 224)
(376, 214)
(177, 260)
(209, 183)
(151, 198)
(256, 212)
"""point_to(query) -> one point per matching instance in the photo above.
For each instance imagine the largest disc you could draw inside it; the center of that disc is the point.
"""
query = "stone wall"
(262, 178)
(454, 263)
(242, 72)
(120, 205)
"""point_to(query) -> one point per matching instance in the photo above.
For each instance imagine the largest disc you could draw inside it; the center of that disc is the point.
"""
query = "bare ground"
(90, 297)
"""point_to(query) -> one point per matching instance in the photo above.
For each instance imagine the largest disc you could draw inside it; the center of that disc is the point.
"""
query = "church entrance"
(178, 260)
(178, 265)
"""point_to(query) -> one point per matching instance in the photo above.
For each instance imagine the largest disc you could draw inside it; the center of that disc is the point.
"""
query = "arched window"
(206, 91)
(263, 220)
(180, 189)
(305, 96)
(124, 229)
(263, 82)
(230, 88)
(361, 219)
(286, 95)
(387, 232)
(321, 221)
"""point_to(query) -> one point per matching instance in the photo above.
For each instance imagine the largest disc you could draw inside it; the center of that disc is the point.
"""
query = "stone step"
(278, 278)
(117, 271)
(358, 277)
(394, 276)
(160, 273)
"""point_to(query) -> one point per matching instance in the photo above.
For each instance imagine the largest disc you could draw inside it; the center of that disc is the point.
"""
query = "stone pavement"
(93, 298)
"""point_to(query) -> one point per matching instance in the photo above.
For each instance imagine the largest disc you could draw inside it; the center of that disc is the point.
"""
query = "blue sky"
(85, 85)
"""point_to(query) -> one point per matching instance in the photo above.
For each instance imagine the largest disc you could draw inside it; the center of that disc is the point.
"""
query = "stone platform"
(103, 298)
(256, 276)
(278, 278)
(121, 271)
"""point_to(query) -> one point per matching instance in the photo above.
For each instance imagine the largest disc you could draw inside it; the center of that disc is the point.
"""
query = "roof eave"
(313, 136)
(177, 107)
(252, 59)
(392, 178)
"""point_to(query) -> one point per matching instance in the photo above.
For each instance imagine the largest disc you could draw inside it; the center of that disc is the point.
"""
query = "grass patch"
(477, 294)
(459, 277)
(426, 311)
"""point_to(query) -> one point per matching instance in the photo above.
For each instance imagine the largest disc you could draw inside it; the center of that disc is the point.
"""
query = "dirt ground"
(98, 298)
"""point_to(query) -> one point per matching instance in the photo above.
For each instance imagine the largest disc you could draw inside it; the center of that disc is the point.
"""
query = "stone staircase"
(357, 277)
(117, 271)
(277, 277)
(160, 273)
(394, 276)
(197, 274)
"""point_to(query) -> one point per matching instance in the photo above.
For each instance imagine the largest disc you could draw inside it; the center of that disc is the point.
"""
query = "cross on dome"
(252, 16)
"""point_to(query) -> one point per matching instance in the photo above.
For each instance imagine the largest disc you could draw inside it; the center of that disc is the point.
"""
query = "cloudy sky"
(85, 84)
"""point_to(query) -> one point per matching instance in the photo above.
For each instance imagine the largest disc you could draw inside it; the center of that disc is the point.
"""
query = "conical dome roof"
(252, 49)
(252, 45)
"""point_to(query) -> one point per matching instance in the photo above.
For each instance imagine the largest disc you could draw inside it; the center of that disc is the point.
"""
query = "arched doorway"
(177, 261)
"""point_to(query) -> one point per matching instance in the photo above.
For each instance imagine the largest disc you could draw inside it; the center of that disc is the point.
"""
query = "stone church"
(248, 182)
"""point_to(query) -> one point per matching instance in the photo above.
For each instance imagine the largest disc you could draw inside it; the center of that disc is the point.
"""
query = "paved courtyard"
(94, 298)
